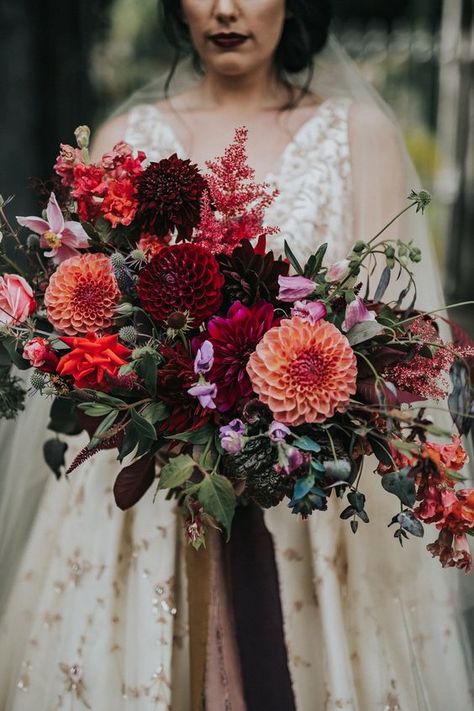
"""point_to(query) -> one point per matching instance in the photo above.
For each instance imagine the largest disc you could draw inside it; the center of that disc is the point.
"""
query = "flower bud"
(293, 288)
(82, 134)
(359, 247)
(338, 271)
(125, 309)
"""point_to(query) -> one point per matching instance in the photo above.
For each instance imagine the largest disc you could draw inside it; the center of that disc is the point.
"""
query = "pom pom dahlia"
(169, 194)
(82, 295)
(182, 277)
(304, 372)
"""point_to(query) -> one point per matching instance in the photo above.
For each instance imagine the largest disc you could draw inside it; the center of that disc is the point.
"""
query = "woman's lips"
(228, 40)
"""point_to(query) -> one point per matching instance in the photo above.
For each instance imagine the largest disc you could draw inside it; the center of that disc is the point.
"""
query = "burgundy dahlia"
(234, 338)
(169, 194)
(175, 376)
(182, 277)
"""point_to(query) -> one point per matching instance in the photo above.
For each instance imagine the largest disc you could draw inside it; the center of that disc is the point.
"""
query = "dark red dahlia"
(175, 377)
(169, 193)
(234, 338)
(182, 277)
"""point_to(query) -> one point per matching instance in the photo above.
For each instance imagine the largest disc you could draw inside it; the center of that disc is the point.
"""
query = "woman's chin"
(231, 65)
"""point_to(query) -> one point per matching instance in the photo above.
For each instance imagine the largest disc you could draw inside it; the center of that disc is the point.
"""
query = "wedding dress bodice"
(313, 176)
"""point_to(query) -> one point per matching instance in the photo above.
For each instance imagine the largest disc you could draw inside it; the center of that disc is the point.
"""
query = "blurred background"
(68, 63)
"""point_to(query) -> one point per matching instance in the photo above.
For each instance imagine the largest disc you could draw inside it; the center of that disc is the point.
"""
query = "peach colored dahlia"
(82, 295)
(304, 372)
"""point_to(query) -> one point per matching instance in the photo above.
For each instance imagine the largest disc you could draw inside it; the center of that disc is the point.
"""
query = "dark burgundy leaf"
(134, 481)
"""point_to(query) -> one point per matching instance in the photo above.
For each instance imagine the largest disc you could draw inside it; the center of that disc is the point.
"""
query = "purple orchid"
(205, 393)
(356, 312)
(204, 359)
(293, 288)
(63, 239)
(312, 311)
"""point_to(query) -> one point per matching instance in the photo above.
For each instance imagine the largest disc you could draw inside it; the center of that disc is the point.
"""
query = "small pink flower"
(356, 312)
(63, 239)
(17, 300)
(67, 160)
(338, 271)
(293, 288)
(40, 354)
(311, 311)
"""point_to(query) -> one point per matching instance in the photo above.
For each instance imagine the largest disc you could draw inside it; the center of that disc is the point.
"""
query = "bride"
(104, 612)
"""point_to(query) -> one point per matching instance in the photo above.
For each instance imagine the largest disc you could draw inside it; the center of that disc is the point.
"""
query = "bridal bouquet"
(151, 312)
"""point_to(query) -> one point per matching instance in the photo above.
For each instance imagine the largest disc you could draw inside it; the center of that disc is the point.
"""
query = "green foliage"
(217, 497)
(176, 472)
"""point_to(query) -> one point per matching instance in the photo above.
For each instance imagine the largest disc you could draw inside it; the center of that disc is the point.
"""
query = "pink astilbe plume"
(235, 206)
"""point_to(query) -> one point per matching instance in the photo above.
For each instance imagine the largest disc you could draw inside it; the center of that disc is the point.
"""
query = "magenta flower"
(63, 239)
(356, 312)
(234, 338)
(204, 359)
(311, 311)
(205, 393)
(293, 288)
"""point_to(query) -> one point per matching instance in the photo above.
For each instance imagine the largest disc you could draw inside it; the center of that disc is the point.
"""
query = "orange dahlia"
(304, 372)
(82, 295)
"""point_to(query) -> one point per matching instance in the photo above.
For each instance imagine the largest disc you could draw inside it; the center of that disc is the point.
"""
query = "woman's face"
(235, 37)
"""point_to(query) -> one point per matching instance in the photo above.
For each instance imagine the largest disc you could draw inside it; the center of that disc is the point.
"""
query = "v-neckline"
(271, 175)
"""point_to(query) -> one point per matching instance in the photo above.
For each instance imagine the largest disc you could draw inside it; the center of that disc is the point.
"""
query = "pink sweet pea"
(356, 312)
(338, 271)
(63, 239)
(293, 288)
(17, 300)
(312, 311)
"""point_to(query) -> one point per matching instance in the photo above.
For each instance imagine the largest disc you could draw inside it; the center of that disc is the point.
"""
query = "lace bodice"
(313, 176)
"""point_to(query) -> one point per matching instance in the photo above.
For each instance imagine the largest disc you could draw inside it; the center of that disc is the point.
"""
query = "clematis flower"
(312, 311)
(204, 359)
(205, 393)
(356, 312)
(293, 288)
(63, 239)
(17, 300)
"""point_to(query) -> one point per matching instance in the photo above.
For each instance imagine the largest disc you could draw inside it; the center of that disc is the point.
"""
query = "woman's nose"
(226, 11)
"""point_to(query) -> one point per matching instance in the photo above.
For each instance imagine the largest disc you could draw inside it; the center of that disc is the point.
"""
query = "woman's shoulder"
(369, 121)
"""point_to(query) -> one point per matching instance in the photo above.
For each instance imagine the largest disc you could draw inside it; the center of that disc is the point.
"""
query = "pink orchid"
(63, 239)
(356, 312)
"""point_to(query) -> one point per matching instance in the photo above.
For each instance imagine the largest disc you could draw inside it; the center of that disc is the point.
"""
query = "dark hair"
(305, 33)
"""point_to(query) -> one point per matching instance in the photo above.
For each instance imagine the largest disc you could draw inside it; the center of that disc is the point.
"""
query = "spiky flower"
(128, 334)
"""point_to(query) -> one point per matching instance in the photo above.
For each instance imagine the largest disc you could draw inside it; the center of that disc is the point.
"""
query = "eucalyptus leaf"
(63, 417)
(176, 472)
(95, 409)
(409, 523)
(218, 499)
(133, 482)
(303, 486)
(364, 331)
(340, 469)
(147, 369)
(130, 441)
(53, 452)
(307, 444)
(402, 485)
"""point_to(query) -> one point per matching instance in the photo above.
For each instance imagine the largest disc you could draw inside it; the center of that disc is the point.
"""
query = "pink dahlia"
(234, 337)
(82, 295)
(304, 372)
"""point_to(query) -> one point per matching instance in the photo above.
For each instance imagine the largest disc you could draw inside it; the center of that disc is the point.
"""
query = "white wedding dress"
(98, 615)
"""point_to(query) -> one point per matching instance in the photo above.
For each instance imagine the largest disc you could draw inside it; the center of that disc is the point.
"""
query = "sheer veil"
(379, 158)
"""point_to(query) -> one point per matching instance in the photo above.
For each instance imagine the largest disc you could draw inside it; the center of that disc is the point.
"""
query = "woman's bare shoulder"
(371, 121)
(108, 134)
